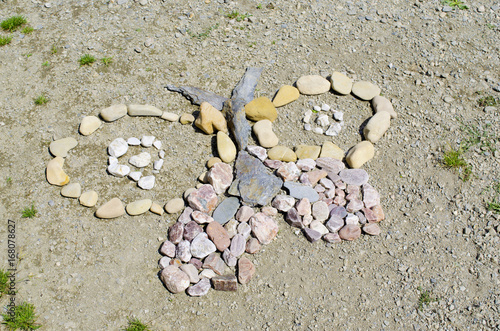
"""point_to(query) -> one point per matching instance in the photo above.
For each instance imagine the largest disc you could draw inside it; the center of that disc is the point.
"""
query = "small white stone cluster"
(323, 120)
(119, 147)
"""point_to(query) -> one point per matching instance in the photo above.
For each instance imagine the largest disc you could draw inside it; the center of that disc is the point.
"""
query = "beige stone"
(72, 190)
(307, 152)
(61, 147)
(89, 125)
(156, 209)
(341, 83)
(285, 95)
(313, 84)
(380, 103)
(360, 154)
(186, 118)
(212, 161)
(88, 198)
(261, 109)
(377, 126)
(139, 207)
(329, 149)
(225, 147)
(55, 173)
(174, 206)
(111, 209)
(365, 90)
(113, 113)
(143, 110)
(171, 117)
(282, 153)
(210, 119)
(263, 130)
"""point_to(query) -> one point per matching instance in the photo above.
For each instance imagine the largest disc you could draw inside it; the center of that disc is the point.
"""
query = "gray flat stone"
(300, 191)
(198, 96)
(226, 210)
(354, 176)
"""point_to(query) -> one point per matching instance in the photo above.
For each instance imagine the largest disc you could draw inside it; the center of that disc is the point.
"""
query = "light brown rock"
(186, 118)
(175, 279)
(285, 95)
(138, 207)
(307, 152)
(89, 125)
(329, 149)
(143, 110)
(246, 270)
(377, 126)
(212, 161)
(55, 173)
(261, 109)
(61, 147)
(360, 154)
(88, 198)
(264, 228)
(263, 130)
(282, 153)
(174, 206)
(350, 232)
(113, 113)
(341, 83)
(312, 84)
(111, 209)
(225, 147)
(365, 90)
(73, 190)
(218, 235)
(156, 208)
(380, 103)
(210, 119)
(171, 117)
(371, 229)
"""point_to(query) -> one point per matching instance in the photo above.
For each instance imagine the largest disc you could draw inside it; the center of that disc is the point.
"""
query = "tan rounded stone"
(111, 209)
(225, 147)
(143, 110)
(171, 117)
(371, 229)
(54, 172)
(313, 84)
(189, 191)
(341, 83)
(156, 208)
(350, 232)
(186, 118)
(329, 149)
(377, 126)
(263, 130)
(380, 103)
(282, 153)
(88, 199)
(174, 206)
(212, 161)
(61, 147)
(113, 113)
(307, 152)
(285, 95)
(360, 154)
(261, 109)
(139, 207)
(365, 90)
(73, 190)
(210, 119)
(89, 125)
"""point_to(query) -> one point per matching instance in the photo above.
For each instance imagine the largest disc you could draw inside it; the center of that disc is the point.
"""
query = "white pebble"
(325, 107)
(307, 127)
(318, 130)
(338, 116)
(161, 154)
(333, 130)
(118, 147)
(317, 108)
(133, 141)
(323, 120)
(118, 170)
(147, 141)
(307, 116)
(146, 182)
(157, 144)
(158, 164)
(112, 160)
(135, 175)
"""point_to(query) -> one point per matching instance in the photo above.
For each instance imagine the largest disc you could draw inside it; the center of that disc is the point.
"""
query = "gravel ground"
(434, 62)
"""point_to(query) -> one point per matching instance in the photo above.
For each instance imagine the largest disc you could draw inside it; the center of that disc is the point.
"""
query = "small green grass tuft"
(87, 59)
(453, 159)
(41, 100)
(27, 30)
(259, 6)
(425, 298)
(46, 64)
(488, 101)
(5, 40)
(455, 4)
(494, 206)
(203, 35)
(134, 324)
(107, 60)
(29, 212)
(13, 23)
(8, 180)
(24, 318)
(4, 282)
(238, 16)
(53, 50)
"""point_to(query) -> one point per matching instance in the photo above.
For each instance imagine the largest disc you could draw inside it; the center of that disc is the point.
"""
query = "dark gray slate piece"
(245, 88)
(226, 210)
(299, 191)
(197, 96)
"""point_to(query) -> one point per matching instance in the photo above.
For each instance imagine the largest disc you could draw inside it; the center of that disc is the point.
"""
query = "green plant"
(494, 206)
(5, 40)
(453, 159)
(8, 180)
(41, 100)
(455, 3)
(28, 55)
(4, 282)
(13, 23)
(134, 324)
(236, 15)
(425, 298)
(29, 212)
(53, 50)
(45, 64)
(490, 26)
(488, 101)
(27, 30)
(86, 59)
(259, 6)
(203, 35)
(107, 60)
(23, 318)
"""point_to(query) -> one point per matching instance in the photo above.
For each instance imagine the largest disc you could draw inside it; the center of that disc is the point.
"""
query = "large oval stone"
(261, 109)
(360, 154)
(313, 84)
(111, 209)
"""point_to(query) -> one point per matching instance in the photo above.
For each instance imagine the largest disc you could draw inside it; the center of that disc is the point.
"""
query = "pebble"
(113, 113)
(338, 116)
(253, 246)
(72, 190)
(143, 110)
(118, 170)
(264, 228)
(323, 120)
(289, 171)
(220, 176)
(226, 210)
(176, 233)
(329, 149)
(299, 191)
(354, 206)
(244, 214)
(318, 130)
(330, 165)
(341, 83)
(317, 108)
(201, 246)
(191, 271)
(285, 95)
(258, 152)
(88, 198)
(112, 160)
(156, 208)
(208, 274)
(365, 90)
(118, 147)
(89, 125)
(168, 249)
(319, 227)
(225, 283)
(380, 103)
(246, 270)
(141, 160)
(212, 161)
(303, 207)
(225, 147)
(371, 197)
(157, 144)
(282, 153)
(210, 119)
(376, 127)
(111, 209)
(61, 147)
(356, 177)
(158, 164)
(306, 164)
(55, 173)
(183, 251)
(238, 245)
(135, 175)
(133, 141)
(312, 235)
(335, 223)
(350, 232)
(360, 154)
(320, 211)
(312, 84)
(333, 130)
(266, 137)
(231, 227)
(325, 107)
(283, 202)
(351, 219)
(146, 182)
(378, 212)
(218, 235)
(261, 109)
(174, 279)
(171, 117)
(293, 218)
(164, 262)
(201, 218)
(174, 206)
(203, 199)
(215, 263)
(307, 152)
(332, 238)
(138, 207)
(147, 141)
(371, 229)
(191, 230)
(200, 289)
(244, 229)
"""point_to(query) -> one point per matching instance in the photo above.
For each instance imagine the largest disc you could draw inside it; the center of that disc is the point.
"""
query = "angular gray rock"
(197, 96)
(300, 191)
(226, 210)
(354, 176)
(201, 246)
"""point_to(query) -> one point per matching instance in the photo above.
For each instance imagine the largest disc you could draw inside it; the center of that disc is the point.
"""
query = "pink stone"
(283, 202)
(335, 223)
(354, 176)
(353, 189)
(196, 262)
(288, 171)
(306, 164)
(369, 215)
(339, 193)
(246, 270)
(199, 289)
(174, 279)
(191, 271)
(326, 183)
(229, 258)
(330, 165)
(371, 197)
(218, 235)
(201, 218)
(238, 245)
(258, 152)
(307, 219)
(244, 214)
(351, 219)
(350, 232)
(340, 185)
(334, 177)
(164, 262)
(253, 246)
(183, 251)
(220, 176)
(191, 230)
(379, 213)
(312, 235)
(332, 238)
(339, 211)
(273, 164)
(168, 249)
(330, 194)
(264, 228)
(354, 206)
(245, 230)
(185, 216)
(319, 188)
(327, 201)
(203, 199)
(304, 179)
(318, 226)
(201, 246)
(361, 216)
(339, 201)
(293, 218)
(320, 211)
(303, 207)
(315, 175)
(176, 233)
(371, 229)
(269, 211)
(215, 263)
